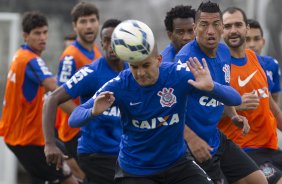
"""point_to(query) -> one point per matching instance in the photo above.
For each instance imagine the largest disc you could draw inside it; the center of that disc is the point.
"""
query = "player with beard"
(179, 22)
(248, 77)
(85, 21)
(209, 146)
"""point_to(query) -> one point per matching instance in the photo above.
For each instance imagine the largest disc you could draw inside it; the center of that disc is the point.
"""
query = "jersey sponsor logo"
(242, 83)
(226, 70)
(209, 102)
(156, 122)
(43, 66)
(66, 72)
(112, 111)
(78, 76)
(167, 97)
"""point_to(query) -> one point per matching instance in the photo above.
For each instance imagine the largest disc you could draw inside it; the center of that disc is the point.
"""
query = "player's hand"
(54, 156)
(102, 102)
(199, 149)
(250, 101)
(241, 122)
(203, 80)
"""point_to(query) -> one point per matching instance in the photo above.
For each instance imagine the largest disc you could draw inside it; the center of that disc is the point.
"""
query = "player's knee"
(255, 177)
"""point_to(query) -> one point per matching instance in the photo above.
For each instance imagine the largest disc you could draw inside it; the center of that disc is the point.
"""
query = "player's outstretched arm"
(85, 112)
(203, 81)
(52, 152)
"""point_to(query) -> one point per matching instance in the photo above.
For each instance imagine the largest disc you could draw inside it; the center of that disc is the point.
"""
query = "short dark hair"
(71, 36)
(254, 24)
(180, 11)
(32, 20)
(110, 23)
(208, 7)
(232, 10)
(84, 9)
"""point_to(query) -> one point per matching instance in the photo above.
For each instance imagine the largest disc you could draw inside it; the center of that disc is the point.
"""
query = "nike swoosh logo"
(131, 103)
(245, 81)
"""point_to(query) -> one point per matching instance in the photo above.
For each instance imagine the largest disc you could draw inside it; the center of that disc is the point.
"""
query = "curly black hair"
(110, 23)
(208, 7)
(180, 11)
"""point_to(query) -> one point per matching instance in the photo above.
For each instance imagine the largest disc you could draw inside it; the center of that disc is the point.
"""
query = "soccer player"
(255, 41)
(250, 80)
(179, 23)
(208, 145)
(28, 79)
(85, 21)
(152, 98)
(98, 145)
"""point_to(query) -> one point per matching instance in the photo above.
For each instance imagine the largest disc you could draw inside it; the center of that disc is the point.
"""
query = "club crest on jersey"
(167, 97)
(226, 70)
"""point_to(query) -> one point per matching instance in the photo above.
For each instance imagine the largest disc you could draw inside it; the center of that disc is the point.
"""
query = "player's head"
(69, 39)
(254, 38)
(235, 27)
(35, 30)
(146, 72)
(106, 35)
(208, 27)
(179, 22)
(85, 21)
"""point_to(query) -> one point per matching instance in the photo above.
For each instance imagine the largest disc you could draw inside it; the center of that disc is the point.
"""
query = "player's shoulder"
(96, 68)
(125, 74)
(187, 48)
(173, 70)
(168, 49)
(223, 48)
(269, 59)
(25, 52)
(70, 50)
(223, 51)
(98, 63)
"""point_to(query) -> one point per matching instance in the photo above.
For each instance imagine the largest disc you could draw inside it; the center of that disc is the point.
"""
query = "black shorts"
(71, 146)
(99, 168)
(34, 161)
(269, 161)
(229, 160)
(184, 171)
